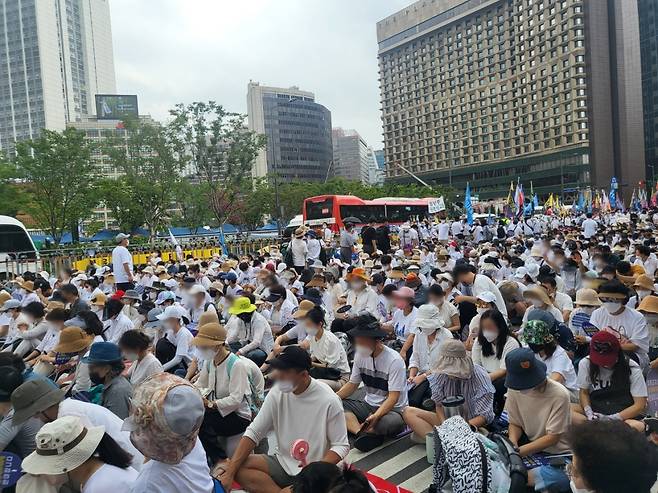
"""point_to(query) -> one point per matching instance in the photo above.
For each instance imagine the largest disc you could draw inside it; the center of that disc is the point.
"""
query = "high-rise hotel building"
(488, 91)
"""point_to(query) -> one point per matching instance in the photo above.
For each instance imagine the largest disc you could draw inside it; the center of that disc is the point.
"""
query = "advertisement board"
(116, 106)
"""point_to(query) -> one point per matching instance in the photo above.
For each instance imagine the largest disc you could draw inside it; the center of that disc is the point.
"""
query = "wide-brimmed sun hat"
(27, 286)
(453, 360)
(649, 304)
(63, 445)
(73, 340)
(429, 317)
(242, 305)
(98, 300)
(33, 397)
(371, 330)
(587, 297)
(304, 307)
(537, 293)
(644, 282)
(358, 273)
(210, 335)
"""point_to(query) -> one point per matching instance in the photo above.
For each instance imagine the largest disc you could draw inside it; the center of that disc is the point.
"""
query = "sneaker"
(367, 442)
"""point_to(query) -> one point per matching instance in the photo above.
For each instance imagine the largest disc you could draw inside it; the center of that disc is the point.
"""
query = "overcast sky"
(170, 51)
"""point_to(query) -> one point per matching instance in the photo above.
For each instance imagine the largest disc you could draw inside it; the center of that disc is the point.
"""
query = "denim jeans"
(258, 356)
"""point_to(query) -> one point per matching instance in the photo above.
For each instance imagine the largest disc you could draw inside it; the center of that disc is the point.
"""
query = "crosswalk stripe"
(375, 457)
(420, 482)
(411, 471)
(398, 463)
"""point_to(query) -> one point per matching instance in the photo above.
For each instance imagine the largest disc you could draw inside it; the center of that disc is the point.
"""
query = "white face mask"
(131, 356)
(612, 306)
(482, 310)
(207, 354)
(445, 285)
(363, 351)
(574, 489)
(489, 335)
(312, 332)
(537, 303)
(285, 386)
(643, 293)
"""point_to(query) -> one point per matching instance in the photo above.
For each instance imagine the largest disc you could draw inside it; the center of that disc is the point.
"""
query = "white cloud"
(170, 51)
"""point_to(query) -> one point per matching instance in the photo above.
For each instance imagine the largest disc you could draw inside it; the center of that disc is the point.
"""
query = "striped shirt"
(381, 374)
(478, 392)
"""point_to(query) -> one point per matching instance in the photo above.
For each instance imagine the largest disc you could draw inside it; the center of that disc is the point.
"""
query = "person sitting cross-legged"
(381, 369)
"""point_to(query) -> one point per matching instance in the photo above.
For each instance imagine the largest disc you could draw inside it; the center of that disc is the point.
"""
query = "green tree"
(13, 198)
(221, 151)
(61, 179)
(117, 196)
(151, 169)
(192, 206)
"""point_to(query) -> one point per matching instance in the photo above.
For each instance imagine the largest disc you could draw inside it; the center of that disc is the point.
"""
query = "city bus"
(332, 209)
(17, 251)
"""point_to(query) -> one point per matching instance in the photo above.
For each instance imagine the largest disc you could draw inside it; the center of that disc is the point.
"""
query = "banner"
(437, 205)
(468, 205)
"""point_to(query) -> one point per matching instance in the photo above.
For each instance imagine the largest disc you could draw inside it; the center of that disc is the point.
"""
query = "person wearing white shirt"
(297, 408)
(590, 227)
(177, 340)
(314, 246)
(117, 322)
(249, 333)
(282, 308)
(429, 332)
(538, 297)
(475, 284)
(646, 259)
(360, 296)
(402, 323)
(328, 355)
(122, 264)
(135, 347)
(299, 250)
(443, 231)
(456, 228)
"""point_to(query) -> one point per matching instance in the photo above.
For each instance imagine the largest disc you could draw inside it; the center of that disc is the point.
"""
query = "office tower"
(298, 132)
(486, 91)
(648, 14)
(54, 57)
(352, 156)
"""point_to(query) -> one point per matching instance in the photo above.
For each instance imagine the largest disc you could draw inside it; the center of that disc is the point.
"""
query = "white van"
(17, 251)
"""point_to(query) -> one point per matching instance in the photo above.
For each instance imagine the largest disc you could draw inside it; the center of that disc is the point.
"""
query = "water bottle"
(454, 406)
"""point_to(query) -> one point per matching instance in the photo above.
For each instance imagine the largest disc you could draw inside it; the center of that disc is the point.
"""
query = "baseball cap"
(487, 297)
(121, 237)
(292, 357)
(604, 349)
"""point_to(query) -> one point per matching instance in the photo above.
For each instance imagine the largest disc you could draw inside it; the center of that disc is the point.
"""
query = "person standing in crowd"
(297, 408)
(299, 250)
(347, 241)
(369, 237)
(122, 264)
(377, 414)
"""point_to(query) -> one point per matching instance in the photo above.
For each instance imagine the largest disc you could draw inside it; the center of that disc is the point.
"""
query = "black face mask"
(95, 378)
(245, 317)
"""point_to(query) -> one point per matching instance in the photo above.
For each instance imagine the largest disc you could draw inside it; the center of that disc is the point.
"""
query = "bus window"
(402, 213)
(319, 210)
(365, 213)
(13, 239)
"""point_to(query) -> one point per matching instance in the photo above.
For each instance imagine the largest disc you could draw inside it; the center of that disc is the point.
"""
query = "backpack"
(254, 399)
(460, 456)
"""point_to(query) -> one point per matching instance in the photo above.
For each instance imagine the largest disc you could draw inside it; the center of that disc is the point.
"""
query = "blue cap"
(231, 276)
(524, 370)
(103, 353)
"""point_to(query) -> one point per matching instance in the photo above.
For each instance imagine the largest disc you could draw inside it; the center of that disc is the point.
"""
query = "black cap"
(291, 358)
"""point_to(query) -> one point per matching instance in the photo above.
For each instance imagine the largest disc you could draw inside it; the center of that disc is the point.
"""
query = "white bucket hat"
(429, 317)
(62, 446)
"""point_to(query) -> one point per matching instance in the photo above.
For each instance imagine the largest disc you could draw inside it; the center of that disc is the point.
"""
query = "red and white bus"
(331, 209)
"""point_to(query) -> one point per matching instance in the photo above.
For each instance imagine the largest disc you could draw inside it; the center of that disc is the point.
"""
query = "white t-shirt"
(120, 256)
(182, 341)
(191, 475)
(447, 311)
(329, 350)
(491, 363)
(590, 226)
(316, 415)
(444, 231)
(403, 324)
(425, 355)
(386, 372)
(638, 384)
(109, 478)
(299, 252)
(95, 415)
(141, 370)
(560, 363)
(629, 325)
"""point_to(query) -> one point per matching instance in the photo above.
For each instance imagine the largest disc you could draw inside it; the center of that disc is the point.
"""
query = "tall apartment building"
(352, 156)
(298, 132)
(648, 14)
(54, 57)
(486, 91)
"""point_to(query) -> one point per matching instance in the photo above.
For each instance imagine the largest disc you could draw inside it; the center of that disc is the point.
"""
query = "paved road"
(401, 462)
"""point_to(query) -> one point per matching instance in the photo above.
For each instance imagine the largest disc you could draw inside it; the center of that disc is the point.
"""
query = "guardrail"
(14, 264)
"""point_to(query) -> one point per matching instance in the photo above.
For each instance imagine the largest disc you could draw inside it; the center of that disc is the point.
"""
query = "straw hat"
(649, 304)
(210, 335)
(644, 282)
(317, 282)
(587, 297)
(99, 300)
(537, 292)
(396, 274)
(627, 280)
(73, 340)
(299, 232)
(4, 296)
(208, 317)
(453, 360)
(63, 445)
(52, 305)
(27, 286)
(637, 270)
(305, 306)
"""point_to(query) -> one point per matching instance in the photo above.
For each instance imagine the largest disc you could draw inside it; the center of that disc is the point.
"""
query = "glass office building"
(648, 10)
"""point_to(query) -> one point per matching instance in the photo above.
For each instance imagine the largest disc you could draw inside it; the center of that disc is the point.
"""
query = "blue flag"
(468, 205)
(535, 201)
(581, 201)
(613, 193)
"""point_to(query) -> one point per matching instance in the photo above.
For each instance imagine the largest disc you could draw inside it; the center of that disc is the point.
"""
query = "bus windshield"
(14, 239)
(321, 209)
